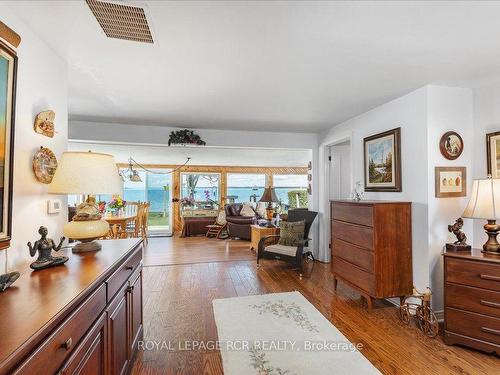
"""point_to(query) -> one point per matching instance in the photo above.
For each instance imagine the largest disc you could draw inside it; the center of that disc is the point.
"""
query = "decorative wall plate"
(44, 165)
(451, 145)
(44, 123)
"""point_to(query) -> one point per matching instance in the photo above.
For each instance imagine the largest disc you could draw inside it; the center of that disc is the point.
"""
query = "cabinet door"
(136, 311)
(118, 323)
(90, 357)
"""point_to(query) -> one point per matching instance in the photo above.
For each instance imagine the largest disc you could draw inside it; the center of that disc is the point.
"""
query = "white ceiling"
(291, 66)
(207, 155)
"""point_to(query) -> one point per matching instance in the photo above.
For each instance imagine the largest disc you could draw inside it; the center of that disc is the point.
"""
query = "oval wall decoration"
(44, 165)
(451, 145)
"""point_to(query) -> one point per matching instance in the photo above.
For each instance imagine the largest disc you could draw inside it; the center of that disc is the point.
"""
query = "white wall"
(41, 85)
(486, 120)
(409, 113)
(448, 108)
(423, 115)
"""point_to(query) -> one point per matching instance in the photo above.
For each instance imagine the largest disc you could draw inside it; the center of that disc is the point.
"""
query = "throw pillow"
(247, 211)
(261, 209)
(291, 232)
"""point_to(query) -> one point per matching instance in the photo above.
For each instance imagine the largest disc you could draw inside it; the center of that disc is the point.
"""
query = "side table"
(258, 232)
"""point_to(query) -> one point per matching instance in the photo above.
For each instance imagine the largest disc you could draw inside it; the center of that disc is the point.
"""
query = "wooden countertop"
(35, 303)
(474, 254)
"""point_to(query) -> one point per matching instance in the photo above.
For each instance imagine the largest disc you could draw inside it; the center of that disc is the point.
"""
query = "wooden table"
(258, 232)
(120, 220)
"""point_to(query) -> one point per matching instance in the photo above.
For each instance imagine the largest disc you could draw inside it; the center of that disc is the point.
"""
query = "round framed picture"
(451, 145)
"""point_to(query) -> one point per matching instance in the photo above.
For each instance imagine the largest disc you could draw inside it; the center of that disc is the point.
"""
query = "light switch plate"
(54, 206)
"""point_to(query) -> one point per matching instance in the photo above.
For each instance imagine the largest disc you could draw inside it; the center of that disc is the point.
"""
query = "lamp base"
(87, 246)
(492, 246)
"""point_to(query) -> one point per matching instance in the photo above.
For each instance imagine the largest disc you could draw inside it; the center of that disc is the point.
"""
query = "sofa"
(239, 226)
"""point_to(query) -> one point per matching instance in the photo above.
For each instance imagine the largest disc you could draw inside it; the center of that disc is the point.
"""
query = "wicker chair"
(290, 254)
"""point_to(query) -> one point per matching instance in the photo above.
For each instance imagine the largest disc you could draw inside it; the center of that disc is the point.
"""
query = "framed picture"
(8, 70)
(451, 145)
(493, 154)
(382, 159)
(450, 182)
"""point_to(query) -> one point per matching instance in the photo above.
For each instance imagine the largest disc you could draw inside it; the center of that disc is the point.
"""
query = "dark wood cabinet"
(90, 358)
(371, 247)
(81, 318)
(472, 300)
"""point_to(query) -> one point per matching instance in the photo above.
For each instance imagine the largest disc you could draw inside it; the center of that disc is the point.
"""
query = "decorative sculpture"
(357, 193)
(44, 123)
(7, 279)
(461, 243)
(422, 312)
(88, 211)
(44, 246)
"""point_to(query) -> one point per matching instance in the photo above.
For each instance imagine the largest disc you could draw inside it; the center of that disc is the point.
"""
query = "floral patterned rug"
(282, 333)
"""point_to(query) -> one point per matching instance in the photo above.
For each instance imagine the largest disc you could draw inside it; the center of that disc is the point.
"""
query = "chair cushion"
(247, 211)
(291, 233)
(282, 249)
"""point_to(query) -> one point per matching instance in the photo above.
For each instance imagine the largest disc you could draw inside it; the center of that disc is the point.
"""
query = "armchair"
(290, 254)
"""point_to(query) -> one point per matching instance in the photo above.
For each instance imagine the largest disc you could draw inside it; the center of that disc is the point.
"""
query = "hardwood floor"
(178, 307)
(175, 250)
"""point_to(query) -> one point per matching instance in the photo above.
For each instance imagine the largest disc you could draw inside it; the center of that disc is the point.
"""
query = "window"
(245, 187)
(291, 190)
(202, 187)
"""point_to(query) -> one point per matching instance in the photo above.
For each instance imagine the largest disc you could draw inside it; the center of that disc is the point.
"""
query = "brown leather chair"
(239, 226)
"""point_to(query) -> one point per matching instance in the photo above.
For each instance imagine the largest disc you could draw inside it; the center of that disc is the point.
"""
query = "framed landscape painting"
(450, 182)
(382, 159)
(493, 154)
(8, 69)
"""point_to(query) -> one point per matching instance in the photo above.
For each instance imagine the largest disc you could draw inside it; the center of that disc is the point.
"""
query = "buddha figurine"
(88, 211)
(44, 246)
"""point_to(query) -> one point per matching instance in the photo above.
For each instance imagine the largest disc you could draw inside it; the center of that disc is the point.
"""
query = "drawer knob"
(67, 345)
(130, 289)
(130, 268)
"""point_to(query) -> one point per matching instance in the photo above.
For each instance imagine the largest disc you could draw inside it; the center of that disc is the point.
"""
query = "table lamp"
(86, 173)
(485, 204)
(269, 197)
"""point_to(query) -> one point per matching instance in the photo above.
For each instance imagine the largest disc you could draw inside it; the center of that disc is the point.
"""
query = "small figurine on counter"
(44, 246)
(7, 279)
(461, 243)
(357, 193)
(87, 211)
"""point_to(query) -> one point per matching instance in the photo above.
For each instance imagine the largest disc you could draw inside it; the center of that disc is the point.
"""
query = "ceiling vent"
(121, 21)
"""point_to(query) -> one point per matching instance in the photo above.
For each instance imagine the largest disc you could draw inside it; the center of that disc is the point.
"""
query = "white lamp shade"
(88, 173)
(485, 200)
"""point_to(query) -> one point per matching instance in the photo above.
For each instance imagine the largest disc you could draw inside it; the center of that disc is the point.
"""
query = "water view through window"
(245, 187)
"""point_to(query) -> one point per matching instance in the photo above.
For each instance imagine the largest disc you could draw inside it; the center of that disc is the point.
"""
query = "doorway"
(340, 171)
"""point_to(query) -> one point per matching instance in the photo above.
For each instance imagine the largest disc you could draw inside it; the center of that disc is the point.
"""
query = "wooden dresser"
(81, 318)
(371, 247)
(472, 300)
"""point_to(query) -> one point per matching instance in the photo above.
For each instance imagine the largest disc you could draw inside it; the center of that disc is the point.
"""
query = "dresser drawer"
(359, 256)
(482, 275)
(473, 325)
(51, 353)
(354, 275)
(121, 275)
(473, 299)
(353, 213)
(355, 234)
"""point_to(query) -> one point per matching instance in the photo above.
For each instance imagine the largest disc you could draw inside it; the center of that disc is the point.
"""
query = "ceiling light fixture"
(133, 175)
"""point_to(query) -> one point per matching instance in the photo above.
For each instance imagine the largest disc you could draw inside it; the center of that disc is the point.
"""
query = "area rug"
(282, 333)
